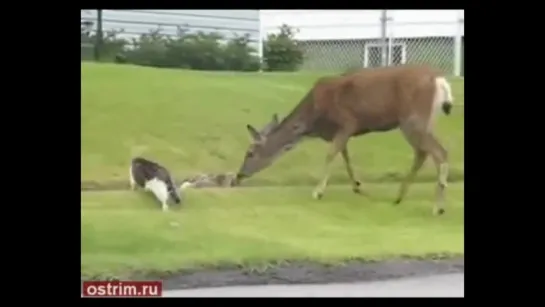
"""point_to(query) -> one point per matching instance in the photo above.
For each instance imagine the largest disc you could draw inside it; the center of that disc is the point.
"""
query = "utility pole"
(98, 40)
(384, 38)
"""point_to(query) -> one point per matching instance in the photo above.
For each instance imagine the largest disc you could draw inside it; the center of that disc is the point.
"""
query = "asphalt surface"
(448, 285)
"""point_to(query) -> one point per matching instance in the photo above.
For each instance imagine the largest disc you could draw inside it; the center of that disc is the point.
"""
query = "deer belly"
(378, 128)
(387, 127)
(326, 135)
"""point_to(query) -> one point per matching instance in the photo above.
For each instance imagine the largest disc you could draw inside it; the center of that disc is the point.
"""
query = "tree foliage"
(197, 50)
(281, 51)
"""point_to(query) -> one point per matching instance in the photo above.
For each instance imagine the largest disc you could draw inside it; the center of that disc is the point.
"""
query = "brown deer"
(369, 100)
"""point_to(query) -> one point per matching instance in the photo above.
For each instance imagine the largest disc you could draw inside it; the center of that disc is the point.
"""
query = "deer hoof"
(397, 201)
(317, 195)
(356, 188)
(438, 211)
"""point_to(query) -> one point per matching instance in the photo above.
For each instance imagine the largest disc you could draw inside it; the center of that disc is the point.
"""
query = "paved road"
(451, 285)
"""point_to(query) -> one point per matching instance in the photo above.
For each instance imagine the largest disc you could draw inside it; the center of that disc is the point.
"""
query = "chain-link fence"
(340, 47)
(342, 55)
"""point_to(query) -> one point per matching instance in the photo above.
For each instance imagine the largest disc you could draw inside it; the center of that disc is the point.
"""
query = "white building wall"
(135, 22)
(362, 24)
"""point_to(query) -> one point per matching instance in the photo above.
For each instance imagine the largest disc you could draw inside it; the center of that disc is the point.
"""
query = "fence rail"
(389, 42)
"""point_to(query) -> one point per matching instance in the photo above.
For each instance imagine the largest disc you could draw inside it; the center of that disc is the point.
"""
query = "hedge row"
(200, 50)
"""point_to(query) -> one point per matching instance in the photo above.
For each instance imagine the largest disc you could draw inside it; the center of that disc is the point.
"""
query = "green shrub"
(148, 50)
(112, 45)
(239, 56)
(281, 51)
(200, 51)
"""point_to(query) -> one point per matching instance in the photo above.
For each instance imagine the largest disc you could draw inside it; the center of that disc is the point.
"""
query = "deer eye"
(296, 127)
(249, 154)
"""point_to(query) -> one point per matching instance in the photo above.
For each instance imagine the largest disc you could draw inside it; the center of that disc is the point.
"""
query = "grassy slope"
(195, 122)
(123, 231)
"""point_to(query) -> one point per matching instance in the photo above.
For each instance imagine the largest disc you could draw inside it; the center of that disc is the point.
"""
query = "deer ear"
(275, 119)
(253, 133)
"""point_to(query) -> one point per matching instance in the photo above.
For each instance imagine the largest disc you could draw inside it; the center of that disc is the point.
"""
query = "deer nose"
(240, 176)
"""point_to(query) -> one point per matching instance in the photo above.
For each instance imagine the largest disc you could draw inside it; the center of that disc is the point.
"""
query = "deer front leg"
(355, 183)
(339, 142)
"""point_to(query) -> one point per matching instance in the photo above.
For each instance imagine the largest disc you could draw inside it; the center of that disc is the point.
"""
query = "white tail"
(443, 92)
(442, 100)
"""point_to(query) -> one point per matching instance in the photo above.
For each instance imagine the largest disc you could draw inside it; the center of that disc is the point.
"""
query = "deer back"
(373, 99)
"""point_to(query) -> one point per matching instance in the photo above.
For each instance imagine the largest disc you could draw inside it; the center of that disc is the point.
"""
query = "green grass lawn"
(194, 122)
(125, 231)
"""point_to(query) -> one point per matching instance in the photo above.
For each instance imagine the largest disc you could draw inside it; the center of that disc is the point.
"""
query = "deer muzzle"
(239, 177)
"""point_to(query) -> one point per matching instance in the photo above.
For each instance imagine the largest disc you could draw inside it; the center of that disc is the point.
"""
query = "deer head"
(267, 145)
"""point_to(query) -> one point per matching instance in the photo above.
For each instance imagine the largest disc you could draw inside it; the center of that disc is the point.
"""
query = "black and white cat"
(153, 177)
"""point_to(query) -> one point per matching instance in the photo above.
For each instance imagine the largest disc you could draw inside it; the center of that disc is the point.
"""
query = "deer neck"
(285, 136)
(293, 127)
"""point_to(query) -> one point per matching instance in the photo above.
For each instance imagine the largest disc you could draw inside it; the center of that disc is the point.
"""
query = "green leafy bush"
(200, 50)
(281, 51)
(112, 45)
(148, 50)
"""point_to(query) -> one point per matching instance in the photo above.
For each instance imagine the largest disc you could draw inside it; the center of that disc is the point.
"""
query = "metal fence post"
(383, 36)
(99, 37)
(391, 39)
(458, 46)
(261, 42)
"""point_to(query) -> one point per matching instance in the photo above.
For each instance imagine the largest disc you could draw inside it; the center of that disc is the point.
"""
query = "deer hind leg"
(440, 158)
(355, 182)
(339, 142)
(425, 143)
(419, 159)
